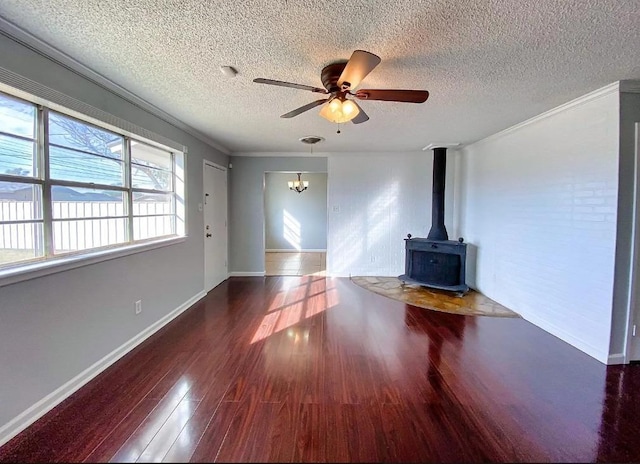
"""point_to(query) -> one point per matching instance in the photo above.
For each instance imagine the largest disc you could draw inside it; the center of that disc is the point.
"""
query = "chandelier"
(298, 185)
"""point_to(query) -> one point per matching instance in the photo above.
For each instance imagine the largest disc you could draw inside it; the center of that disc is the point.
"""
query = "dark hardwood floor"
(314, 369)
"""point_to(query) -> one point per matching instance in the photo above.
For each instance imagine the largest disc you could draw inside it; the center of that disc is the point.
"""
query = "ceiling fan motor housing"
(330, 75)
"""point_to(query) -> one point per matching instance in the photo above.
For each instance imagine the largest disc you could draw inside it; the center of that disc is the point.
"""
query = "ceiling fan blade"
(289, 84)
(407, 96)
(359, 65)
(362, 116)
(304, 108)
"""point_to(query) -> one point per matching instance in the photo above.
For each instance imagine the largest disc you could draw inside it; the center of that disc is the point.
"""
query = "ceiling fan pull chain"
(338, 131)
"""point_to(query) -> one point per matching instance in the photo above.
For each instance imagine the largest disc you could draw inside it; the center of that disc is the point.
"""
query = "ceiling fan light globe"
(349, 108)
(335, 112)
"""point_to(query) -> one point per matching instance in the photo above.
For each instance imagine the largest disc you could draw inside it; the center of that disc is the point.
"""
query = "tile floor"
(295, 263)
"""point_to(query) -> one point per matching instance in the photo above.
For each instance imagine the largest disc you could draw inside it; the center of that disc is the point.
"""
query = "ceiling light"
(311, 139)
(339, 111)
(298, 185)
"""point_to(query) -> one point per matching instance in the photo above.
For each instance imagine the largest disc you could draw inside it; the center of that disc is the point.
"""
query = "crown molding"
(37, 45)
(281, 154)
(451, 145)
(614, 87)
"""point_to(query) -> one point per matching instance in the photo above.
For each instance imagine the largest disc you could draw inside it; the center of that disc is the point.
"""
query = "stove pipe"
(438, 230)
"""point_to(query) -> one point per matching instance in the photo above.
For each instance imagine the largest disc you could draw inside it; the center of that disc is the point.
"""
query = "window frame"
(51, 261)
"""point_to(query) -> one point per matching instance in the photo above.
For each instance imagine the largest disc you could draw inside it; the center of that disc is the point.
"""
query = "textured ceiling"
(488, 64)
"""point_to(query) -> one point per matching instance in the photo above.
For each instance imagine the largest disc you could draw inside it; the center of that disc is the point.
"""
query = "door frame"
(212, 164)
(264, 208)
(632, 342)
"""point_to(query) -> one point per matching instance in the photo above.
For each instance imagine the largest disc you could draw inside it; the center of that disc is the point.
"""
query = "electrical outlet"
(138, 306)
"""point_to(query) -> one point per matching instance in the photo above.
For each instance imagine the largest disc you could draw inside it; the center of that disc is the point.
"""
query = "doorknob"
(208, 235)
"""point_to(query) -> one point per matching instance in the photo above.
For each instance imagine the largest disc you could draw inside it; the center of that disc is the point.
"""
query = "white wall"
(539, 203)
(295, 221)
(374, 201)
(55, 327)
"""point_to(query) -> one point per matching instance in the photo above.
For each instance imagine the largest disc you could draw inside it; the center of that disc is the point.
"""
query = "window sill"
(66, 263)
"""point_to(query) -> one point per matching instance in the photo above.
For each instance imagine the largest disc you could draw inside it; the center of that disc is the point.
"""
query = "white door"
(215, 225)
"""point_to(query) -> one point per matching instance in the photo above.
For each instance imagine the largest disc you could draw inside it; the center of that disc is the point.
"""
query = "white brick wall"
(374, 201)
(539, 203)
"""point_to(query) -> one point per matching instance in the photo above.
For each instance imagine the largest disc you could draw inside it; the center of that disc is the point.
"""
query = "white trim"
(215, 165)
(617, 358)
(577, 343)
(606, 90)
(280, 154)
(24, 272)
(431, 146)
(246, 274)
(30, 41)
(46, 404)
(293, 250)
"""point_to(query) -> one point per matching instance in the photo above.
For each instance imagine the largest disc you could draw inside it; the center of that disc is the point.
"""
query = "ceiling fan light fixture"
(339, 111)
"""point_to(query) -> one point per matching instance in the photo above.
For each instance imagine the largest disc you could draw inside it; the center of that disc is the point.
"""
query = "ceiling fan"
(340, 80)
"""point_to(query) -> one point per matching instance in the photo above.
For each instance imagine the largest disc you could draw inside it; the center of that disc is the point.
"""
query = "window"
(68, 186)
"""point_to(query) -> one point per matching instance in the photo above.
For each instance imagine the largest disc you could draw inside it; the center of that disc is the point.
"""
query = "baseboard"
(305, 250)
(568, 338)
(46, 404)
(617, 358)
(246, 274)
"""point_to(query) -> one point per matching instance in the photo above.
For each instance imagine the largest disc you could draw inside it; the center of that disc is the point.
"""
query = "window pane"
(70, 133)
(152, 203)
(83, 234)
(17, 156)
(75, 166)
(17, 117)
(20, 202)
(19, 242)
(152, 226)
(84, 153)
(150, 178)
(150, 167)
(146, 155)
(17, 129)
(74, 202)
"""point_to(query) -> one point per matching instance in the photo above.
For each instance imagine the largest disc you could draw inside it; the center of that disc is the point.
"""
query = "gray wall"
(629, 116)
(246, 205)
(308, 209)
(54, 327)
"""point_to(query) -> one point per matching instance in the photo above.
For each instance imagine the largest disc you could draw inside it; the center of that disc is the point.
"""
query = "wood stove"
(436, 261)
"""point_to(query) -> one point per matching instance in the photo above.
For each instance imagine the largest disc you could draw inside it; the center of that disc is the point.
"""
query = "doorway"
(215, 224)
(295, 224)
